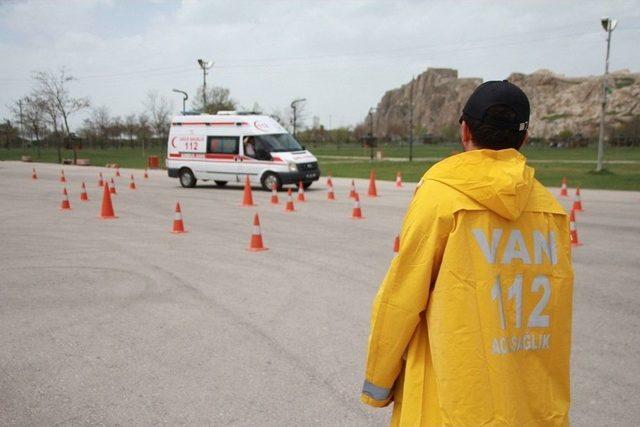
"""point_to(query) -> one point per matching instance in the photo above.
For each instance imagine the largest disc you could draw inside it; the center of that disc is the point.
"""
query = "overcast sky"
(340, 55)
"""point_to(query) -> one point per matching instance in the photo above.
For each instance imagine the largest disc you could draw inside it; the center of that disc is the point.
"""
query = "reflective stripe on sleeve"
(375, 392)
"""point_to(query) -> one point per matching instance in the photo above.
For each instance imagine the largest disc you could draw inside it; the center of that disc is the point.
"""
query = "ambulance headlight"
(293, 167)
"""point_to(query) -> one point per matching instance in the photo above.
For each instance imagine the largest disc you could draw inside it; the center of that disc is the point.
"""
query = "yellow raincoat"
(472, 324)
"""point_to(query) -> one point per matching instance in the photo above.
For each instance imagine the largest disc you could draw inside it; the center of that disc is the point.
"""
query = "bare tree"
(218, 99)
(130, 125)
(159, 110)
(53, 89)
(31, 112)
(143, 131)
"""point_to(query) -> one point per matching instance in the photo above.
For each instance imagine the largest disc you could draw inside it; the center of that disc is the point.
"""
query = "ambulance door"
(222, 158)
(251, 162)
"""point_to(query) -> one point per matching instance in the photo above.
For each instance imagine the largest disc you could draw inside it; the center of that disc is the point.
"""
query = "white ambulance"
(229, 146)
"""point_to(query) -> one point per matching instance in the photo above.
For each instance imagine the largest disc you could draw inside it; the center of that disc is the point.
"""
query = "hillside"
(558, 103)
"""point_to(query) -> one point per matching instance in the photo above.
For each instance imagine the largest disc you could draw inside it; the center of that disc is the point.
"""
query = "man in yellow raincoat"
(472, 323)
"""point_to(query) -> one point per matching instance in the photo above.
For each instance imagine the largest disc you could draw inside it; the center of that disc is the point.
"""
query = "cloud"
(341, 55)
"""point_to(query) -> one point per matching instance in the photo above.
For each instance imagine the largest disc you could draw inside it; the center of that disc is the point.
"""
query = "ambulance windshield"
(277, 142)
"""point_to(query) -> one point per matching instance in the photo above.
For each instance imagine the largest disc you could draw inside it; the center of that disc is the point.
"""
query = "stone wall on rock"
(558, 103)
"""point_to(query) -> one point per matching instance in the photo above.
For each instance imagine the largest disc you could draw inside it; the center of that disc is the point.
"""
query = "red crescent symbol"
(172, 142)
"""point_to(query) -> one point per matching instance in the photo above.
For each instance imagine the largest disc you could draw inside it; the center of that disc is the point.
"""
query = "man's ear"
(465, 137)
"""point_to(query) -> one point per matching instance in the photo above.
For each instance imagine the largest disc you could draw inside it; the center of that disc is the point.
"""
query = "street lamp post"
(205, 65)
(371, 110)
(294, 107)
(411, 120)
(184, 99)
(608, 25)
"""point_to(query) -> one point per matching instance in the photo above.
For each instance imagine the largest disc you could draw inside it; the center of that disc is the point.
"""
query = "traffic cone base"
(352, 193)
(577, 203)
(289, 207)
(65, 205)
(330, 194)
(274, 195)
(247, 196)
(256, 243)
(573, 230)
(357, 211)
(83, 195)
(106, 209)
(178, 223)
(373, 191)
(563, 188)
(398, 180)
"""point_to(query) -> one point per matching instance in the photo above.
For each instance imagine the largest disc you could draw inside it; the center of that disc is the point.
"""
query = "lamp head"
(608, 24)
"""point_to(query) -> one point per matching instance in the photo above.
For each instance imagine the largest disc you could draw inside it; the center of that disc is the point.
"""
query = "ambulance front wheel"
(187, 180)
(269, 179)
(307, 184)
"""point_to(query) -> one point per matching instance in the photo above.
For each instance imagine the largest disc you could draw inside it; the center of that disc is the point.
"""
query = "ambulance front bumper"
(295, 177)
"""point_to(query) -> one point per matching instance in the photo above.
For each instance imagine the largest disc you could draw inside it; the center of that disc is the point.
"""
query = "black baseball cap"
(498, 92)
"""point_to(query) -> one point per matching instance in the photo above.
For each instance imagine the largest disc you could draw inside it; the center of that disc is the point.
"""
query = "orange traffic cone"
(132, 184)
(100, 181)
(373, 192)
(256, 237)
(247, 197)
(352, 193)
(146, 175)
(301, 197)
(563, 188)
(573, 230)
(33, 175)
(83, 195)
(329, 181)
(117, 171)
(178, 224)
(274, 194)
(65, 205)
(398, 180)
(357, 212)
(330, 194)
(289, 206)
(577, 202)
(62, 177)
(396, 244)
(113, 187)
(106, 209)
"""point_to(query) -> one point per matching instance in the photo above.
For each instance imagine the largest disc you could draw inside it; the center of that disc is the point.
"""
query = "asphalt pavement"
(121, 322)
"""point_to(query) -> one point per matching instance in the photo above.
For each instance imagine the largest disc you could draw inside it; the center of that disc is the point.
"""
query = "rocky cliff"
(558, 103)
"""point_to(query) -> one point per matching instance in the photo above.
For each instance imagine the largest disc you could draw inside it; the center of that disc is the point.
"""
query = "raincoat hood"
(499, 180)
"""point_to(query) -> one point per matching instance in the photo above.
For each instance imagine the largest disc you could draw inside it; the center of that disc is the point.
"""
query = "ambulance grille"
(308, 166)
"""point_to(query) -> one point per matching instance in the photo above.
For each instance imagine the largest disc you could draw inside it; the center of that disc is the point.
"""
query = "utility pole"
(294, 107)
(205, 65)
(411, 120)
(609, 25)
(21, 127)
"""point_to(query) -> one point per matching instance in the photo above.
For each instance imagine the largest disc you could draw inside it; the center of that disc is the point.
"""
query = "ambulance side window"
(222, 144)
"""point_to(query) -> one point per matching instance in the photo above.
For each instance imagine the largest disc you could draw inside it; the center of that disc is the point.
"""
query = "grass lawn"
(443, 150)
(125, 157)
(617, 177)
